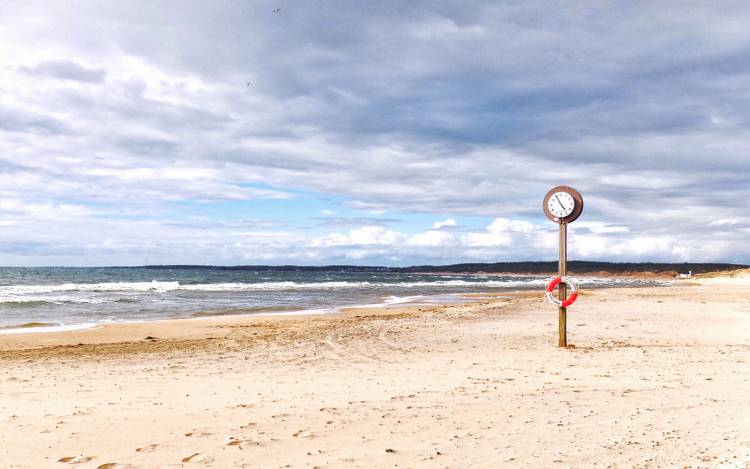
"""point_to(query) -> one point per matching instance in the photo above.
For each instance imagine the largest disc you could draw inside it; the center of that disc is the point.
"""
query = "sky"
(379, 133)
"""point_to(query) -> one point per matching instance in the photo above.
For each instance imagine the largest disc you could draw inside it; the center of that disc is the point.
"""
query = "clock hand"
(559, 202)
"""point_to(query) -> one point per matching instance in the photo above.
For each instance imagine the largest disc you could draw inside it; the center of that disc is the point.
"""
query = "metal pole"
(563, 270)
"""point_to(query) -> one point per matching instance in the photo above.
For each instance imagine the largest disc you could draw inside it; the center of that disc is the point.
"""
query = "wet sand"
(659, 377)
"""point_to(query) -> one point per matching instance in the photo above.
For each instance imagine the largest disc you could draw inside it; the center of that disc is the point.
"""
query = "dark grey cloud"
(65, 70)
(148, 146)
(14, 120)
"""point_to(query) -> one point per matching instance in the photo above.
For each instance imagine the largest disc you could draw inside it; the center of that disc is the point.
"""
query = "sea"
(68, 298)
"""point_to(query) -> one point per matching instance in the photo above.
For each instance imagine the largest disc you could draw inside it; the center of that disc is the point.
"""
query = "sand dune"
(737, 273)
(732, 277)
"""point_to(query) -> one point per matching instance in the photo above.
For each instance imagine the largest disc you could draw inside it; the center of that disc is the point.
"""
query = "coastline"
(198, 325)
(52, 321)
(203, 327)
(483, 384)
(259, 312)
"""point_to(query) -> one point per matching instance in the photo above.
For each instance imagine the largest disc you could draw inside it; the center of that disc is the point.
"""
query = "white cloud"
(504, 225)
(364, 236)
(729, 222)
(432, 238)
(50, 212)
(487, 239)
(445, 223)
(598, 227)
(442, 29)
(502, 232)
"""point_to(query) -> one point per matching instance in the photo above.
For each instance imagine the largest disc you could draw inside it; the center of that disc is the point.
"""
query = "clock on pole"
(563, 205)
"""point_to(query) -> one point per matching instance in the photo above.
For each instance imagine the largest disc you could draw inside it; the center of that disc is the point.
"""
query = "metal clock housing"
(563, 204)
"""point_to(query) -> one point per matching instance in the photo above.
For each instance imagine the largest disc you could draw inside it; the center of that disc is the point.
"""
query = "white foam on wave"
(273, 286)
(156, 286)
(302, 312)
(57, 328)
(387, 301)
(59, 299)
(397, 300)
(89, 287)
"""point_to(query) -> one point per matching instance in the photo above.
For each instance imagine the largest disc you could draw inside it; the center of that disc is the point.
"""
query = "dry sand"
(659, 377)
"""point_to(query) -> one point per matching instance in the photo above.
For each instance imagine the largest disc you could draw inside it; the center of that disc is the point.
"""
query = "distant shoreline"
(515, 268)
(530, 268)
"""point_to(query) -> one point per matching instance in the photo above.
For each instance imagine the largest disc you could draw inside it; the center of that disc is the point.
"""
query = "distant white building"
(687, 275)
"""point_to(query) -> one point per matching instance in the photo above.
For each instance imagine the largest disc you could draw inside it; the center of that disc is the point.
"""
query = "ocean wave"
(89, 287)
(273, 286)
(29, 325)
(23, 329)
(45, 293)
(35, 300)
(397, 300)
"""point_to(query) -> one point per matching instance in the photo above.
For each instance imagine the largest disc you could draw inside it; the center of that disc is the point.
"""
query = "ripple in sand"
(241, 443)
(198, 458)
(148, 448)
(80, 459)
(248, 310)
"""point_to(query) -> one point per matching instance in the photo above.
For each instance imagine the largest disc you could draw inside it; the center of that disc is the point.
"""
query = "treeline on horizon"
(533, 267)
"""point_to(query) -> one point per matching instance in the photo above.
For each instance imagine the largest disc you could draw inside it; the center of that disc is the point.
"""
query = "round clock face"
(561, 204)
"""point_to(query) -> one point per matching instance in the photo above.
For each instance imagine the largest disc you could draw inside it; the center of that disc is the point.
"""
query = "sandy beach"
(658, 377)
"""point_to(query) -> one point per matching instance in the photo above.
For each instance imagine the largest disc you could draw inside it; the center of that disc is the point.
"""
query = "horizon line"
(372, 266)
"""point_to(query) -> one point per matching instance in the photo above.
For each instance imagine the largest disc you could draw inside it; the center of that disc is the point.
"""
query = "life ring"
(573, 291)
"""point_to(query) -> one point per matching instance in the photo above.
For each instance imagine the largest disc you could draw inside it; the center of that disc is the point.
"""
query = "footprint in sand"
(113, 465)
(199, 458)
(197, 434)
(80, 459)
(328, 409)
(241, 443)
(148, 448)
(303, 434)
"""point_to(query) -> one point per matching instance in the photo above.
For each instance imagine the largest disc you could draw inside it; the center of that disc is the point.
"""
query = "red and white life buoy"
(573, 291)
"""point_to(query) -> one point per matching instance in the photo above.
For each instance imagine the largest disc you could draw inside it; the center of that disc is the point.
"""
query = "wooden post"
(562, 314)
(563, 205)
